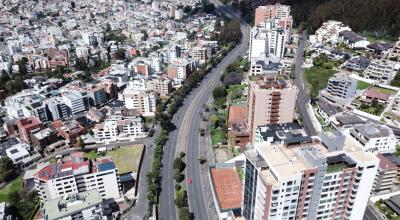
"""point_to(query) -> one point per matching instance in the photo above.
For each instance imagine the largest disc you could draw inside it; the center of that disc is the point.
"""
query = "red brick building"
(27, 126)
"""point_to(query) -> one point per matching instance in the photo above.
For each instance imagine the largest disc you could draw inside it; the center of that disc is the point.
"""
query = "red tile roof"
(227, 187)
(385, 164)
(373, 93)
(237, 114)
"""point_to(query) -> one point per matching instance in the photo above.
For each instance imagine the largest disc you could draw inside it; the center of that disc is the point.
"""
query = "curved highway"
(187, 121)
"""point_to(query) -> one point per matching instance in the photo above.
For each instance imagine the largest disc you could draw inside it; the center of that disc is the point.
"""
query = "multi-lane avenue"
(187, 121)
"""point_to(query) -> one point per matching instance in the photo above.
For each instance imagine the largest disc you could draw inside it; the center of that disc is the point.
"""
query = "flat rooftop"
(227, 187)
(68, 205)
(286, 161)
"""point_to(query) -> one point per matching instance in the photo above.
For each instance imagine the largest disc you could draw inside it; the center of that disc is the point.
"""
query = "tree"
(120, 54)
(81, 143)
(108, 28)
(81, 65)
(178, 176)
(178, 164)
(208, 7)
(6, 169)
(182, 154)
(184, 214)
(164, 120)
(145, 35)
(230, 32)
(232, 78)
(22, 66)
(219, 92)
(187, 9)
(181, 199)
(72, 4)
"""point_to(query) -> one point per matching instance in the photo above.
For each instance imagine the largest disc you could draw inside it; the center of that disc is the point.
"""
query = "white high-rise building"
(308, 181)
(77, 175)
(143, 101)
(74, 100)
(267, 40)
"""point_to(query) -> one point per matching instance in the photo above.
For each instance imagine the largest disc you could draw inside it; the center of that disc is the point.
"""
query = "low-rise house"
(357, 64)
(237, 130)
(329, 32)
(374, 137)
(44, 138)
(352, 39)
(18, 152)
(380, 49)
(386, 175)
(118, 128)
(373, 94)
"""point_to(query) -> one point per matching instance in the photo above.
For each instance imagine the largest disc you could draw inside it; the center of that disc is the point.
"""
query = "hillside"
(379, 17)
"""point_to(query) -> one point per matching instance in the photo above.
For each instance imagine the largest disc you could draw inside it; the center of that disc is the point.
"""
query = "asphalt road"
(140, 208)
(302, 98)
(187, 120)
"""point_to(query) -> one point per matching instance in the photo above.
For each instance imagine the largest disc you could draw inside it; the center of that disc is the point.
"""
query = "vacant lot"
(127, 158)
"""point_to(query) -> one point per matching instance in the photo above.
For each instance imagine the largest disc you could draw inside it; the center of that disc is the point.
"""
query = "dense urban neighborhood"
(205, 109)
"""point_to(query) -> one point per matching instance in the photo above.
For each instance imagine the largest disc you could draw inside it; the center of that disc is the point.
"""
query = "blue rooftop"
(106, 166)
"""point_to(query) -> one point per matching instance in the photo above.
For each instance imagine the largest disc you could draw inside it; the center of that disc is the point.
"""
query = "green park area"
(361, 85)
(218, 135)
(317, 79)
(126, 158)
(11, 187)
(235, 93)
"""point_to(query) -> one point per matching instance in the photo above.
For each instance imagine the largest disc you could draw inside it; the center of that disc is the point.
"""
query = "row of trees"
(154, 176)
(164, 113)
(181, 198)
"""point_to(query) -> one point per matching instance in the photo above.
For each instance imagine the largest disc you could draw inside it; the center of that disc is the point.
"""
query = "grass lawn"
(217, 136)
(254, 77)
(91, 155)
(235, 92)
(372, 110)
(317, 79)
(384, 90)
(361, 85)
(13, 186)
(127, 158)
(335, 167)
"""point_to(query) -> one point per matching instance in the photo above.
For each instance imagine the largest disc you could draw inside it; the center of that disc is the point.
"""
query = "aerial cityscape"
(198, 110)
